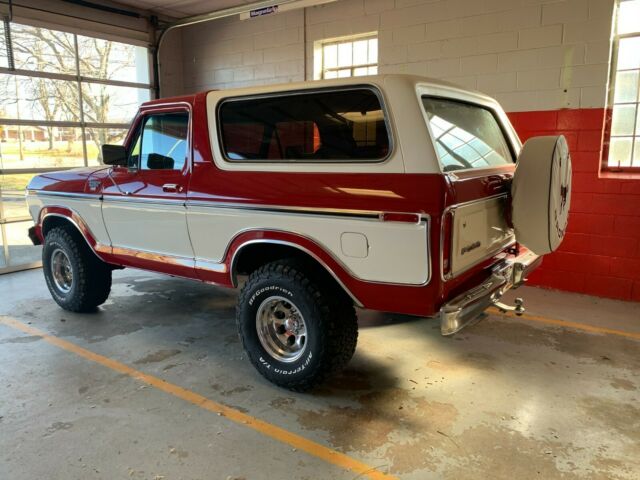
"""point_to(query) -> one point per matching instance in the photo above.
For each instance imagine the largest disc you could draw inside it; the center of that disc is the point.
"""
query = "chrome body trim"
(372, 214)
(451, 209)
(201, 264)
(45, 193)
(146, 200)
(301, 248)
(74, 223)
(466, 307)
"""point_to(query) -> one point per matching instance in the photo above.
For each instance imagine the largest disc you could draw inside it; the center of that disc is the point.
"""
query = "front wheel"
(77, 279)
(295, 330)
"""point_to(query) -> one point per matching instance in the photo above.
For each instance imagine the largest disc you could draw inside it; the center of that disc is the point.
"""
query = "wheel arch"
(251, 254)
(52, 217)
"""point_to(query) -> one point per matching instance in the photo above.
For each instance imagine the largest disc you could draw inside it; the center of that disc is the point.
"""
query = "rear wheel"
(294, 328)
(77, 279)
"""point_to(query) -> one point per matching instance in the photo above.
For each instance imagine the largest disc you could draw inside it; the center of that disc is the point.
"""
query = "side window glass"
(164, 142)
(323, 126)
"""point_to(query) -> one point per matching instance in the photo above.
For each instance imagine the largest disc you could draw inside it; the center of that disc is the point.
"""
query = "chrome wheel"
(281, 329)
(61, 271)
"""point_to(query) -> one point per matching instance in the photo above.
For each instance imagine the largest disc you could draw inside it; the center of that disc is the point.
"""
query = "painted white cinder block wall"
(529, 54)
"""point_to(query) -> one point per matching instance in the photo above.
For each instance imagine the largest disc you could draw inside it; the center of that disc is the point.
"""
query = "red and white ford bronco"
(393, 193)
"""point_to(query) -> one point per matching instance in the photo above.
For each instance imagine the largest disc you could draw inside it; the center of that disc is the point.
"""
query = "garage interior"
(155, 385)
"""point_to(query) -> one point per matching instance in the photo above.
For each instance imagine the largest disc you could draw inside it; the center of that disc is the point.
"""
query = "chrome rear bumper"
(466, 307)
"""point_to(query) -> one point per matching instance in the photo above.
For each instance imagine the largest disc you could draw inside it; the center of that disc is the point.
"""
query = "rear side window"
(465, 135)
(329, 126)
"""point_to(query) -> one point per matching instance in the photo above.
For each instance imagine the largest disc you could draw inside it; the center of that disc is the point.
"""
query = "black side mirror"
(114, 155)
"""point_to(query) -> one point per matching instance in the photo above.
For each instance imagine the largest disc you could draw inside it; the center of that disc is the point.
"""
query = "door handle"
(171, 188)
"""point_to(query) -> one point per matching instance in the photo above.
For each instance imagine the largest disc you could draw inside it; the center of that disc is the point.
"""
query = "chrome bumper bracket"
(466, 307)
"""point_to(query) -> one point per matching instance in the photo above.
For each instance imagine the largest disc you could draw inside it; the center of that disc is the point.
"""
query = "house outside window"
(353, 56)
(624, 97)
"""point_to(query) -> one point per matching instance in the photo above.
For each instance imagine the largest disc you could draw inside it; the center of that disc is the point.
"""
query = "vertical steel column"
(80, 102)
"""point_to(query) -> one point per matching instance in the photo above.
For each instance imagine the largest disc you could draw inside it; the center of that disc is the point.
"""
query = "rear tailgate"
(479, 230)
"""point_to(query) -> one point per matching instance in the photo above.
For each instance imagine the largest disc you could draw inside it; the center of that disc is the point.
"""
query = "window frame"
(613, 70)
(342, 40)
(137, 128)
(288, 93)
(143, 124)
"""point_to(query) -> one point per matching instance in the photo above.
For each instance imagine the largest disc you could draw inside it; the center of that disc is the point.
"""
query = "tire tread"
(338, 321)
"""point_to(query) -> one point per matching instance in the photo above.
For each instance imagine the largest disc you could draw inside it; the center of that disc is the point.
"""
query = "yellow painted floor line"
(296, 441)
(566, 323)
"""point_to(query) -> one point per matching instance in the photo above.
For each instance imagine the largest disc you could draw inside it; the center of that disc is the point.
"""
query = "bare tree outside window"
(69, 95)
(62, 96)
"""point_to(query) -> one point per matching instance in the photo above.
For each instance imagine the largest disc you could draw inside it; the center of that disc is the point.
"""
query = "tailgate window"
(465, 135)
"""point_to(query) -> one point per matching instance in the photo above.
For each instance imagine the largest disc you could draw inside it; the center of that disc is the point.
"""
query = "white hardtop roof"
(383, 81)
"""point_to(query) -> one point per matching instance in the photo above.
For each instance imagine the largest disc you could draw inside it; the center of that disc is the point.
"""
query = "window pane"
(636, 153)
(620, 152)
(31, 98)
(629, 16)
(626, 87)
(331, 74)
(43, 50)
(110, 104)
(344, 54)
(623, 119)
(373, 70)
(344, 73)
(466, 136)
(21, 250)
(164, 142)
(330, 126)
(96, 137)
(330, 56)
(14, 204)
(4, 62)
(373, 50)
(3, 261)
(40, 147)
(360, 71)
(360, 54)
(628, 56)
(108, 60)
(12, 195)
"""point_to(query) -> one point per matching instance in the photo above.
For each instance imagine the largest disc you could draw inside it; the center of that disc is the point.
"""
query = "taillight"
(446, 238)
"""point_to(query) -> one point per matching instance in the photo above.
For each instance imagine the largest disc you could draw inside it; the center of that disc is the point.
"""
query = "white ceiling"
(183, 8)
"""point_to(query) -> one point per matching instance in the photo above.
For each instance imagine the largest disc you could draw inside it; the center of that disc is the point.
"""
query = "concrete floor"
(506, 398)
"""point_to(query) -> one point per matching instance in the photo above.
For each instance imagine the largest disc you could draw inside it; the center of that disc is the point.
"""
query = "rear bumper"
(464, 308)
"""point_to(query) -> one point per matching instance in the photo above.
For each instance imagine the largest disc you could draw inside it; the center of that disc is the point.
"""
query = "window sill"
(620, 175)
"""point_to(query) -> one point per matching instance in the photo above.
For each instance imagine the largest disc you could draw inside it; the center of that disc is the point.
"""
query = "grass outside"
(15, 182)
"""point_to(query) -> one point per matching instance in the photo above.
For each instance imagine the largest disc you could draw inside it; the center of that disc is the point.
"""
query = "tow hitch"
(518, 308)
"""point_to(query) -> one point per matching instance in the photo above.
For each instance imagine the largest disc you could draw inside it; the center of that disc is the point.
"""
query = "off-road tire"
(331, 325)
(91, 278)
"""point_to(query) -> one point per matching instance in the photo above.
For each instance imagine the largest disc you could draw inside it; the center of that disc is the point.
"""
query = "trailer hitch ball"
(518, 308)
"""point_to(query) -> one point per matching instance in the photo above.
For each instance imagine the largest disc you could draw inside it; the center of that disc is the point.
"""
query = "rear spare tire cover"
(541, 193)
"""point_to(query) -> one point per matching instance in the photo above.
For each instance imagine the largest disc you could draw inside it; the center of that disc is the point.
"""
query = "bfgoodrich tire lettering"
(330, 326)
(84, 282)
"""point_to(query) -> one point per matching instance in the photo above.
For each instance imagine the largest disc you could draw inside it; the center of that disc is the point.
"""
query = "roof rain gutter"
(227, 12)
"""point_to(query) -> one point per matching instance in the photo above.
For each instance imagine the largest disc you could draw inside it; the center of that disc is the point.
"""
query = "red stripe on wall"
(601, 251)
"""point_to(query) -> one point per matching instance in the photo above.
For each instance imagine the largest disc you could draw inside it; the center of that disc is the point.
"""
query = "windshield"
(465, 135)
